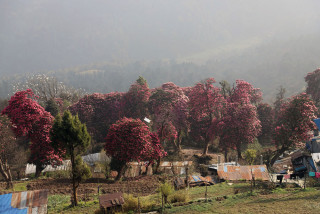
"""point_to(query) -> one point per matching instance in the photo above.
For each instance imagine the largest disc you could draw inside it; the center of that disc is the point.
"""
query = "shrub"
(203, 159)
(204, 170)
(166, 189)
(59, 174)
(130, 203)
(179, 196)
(250, 155)
(313, 182)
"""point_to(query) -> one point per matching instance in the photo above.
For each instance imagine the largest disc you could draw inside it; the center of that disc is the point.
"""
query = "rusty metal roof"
(199, 180)
(242, 172)
(24, 202)
(111, 200)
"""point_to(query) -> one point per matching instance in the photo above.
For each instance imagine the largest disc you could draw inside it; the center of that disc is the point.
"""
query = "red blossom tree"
(31, 120)
(205, 104)
(313, 85)
(98, 112)
(135, 101)
(239, 126)
(293, 125)
(169, 108)
(239, 123)
(266, 117)
(131, 140)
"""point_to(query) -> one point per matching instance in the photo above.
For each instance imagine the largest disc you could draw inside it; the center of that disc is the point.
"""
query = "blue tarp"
(196, 178)
(312, 164)
(5, 206)
(317, 122)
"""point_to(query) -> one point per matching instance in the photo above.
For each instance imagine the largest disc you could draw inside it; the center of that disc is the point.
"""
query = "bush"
(312, 182)
(203, 159)
(204, 170)
(130, 203)
(250, 156)
(166, 189)
(179, 196)
(59, 174)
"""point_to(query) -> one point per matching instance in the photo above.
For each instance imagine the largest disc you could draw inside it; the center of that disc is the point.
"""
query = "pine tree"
(71, 136)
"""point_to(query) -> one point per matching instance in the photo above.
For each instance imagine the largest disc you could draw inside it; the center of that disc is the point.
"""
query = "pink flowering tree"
(205, 105)
(98, 112)
(169, 108)
(239, 124)
(29, 119)
(294, 123)
(136, 99)
(266, 117)
(313, 85)
(131, 140)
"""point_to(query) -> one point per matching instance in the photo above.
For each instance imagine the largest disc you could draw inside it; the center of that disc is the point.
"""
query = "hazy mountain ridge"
(267, 43)
(278, 63)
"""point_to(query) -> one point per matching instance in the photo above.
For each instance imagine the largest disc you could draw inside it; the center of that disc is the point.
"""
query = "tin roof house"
(29, 202)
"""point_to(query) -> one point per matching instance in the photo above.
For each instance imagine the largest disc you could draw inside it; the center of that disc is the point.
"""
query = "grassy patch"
(62, 204)
(222, 198)
(18, 187)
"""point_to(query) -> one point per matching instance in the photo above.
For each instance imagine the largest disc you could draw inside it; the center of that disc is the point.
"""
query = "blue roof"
(317, 122)
(6, 208)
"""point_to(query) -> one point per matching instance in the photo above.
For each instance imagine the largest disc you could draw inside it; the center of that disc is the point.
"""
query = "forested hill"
(106, 45)
(267, 66)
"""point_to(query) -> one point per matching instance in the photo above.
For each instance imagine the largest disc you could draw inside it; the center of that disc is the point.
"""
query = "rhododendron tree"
(205, 104)
(29, 119)
(266, 117)
(294, 123)
(244, 92)
(98, 111)
(313, 85)
(239, 126)
(239, 123)
(135, 101)
(131, 140)
(169, 109)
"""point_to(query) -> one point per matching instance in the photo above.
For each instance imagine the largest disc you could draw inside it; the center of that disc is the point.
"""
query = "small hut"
(111, 203)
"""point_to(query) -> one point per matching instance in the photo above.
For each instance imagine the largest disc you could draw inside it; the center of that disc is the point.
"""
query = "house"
(29, 202)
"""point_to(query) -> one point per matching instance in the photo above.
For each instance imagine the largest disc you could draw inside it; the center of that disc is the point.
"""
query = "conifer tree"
(71, 136)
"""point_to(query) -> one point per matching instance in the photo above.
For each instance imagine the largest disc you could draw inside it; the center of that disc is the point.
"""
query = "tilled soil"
(142, 185)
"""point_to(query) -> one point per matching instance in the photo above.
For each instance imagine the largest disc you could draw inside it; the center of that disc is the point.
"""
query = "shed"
(28, 202)
(195, 180)
(111, 203)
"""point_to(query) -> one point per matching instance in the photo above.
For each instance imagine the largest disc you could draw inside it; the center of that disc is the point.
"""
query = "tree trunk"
(6, 173)
(206, 147)
(225, 155)
(120, 172)
(239, 152)
(277, 155)
(39, 168)
(74, 187)
(157, 166)
(177, 143)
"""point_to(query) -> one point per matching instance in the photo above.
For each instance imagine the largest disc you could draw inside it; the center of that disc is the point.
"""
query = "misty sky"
(44, 35)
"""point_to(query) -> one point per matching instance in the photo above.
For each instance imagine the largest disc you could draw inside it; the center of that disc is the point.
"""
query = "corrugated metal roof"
(242, 172)
(34, 202)
(111, 200)
(195, 180)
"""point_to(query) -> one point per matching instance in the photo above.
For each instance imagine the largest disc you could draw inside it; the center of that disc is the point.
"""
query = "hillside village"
(110, 152)
(184, 106)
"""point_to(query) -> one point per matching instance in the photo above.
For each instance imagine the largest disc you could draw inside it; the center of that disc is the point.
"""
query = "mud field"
(138, 186)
